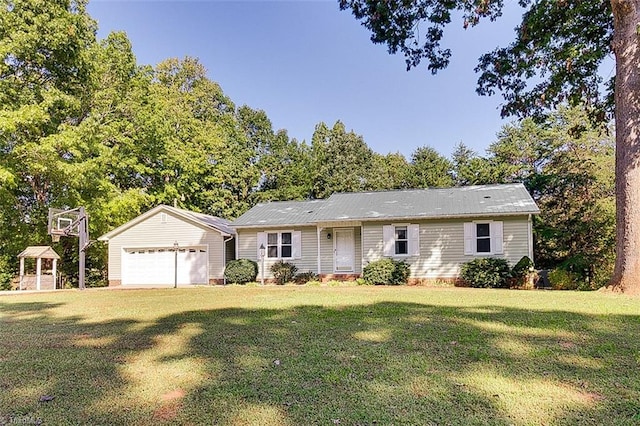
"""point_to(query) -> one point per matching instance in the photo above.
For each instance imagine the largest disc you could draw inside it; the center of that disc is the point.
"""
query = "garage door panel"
(155, 266)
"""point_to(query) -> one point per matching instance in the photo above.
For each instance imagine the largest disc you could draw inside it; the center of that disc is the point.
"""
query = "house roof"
(211, 222)
(281, 213)
(479, 200)
(44, 252)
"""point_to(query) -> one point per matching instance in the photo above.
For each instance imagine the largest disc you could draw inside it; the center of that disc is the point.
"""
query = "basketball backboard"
(63, 222)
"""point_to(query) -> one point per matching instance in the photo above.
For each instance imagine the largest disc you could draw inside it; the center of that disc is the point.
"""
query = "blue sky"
(304, 62)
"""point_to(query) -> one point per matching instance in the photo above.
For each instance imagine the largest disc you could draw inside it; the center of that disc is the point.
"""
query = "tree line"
(82, 123)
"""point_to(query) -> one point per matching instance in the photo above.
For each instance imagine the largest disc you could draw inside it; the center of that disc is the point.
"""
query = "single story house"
(434, 230)
(146, 250)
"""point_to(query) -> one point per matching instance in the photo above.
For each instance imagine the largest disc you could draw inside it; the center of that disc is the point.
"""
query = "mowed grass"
(316, 355)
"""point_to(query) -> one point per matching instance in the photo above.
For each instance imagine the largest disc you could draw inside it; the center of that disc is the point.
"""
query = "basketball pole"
(83, 238)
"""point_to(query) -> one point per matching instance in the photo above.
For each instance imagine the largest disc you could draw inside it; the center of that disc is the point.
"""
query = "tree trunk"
(626, 45)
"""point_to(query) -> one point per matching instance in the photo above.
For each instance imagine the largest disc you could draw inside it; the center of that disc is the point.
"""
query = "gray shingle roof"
(218, 223)
(222, 225)
(430, 203)
(480, 200)
(44, 252)
(278, 213)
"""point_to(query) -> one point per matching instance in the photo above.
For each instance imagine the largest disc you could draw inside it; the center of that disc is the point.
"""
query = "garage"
(156, 266)
(142, 254)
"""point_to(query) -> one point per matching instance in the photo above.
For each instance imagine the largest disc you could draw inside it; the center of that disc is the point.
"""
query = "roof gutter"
(385, 218)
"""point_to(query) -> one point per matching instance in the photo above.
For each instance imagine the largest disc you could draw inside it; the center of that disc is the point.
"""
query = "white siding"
(442, 246)
(154, 232)
(248, 249)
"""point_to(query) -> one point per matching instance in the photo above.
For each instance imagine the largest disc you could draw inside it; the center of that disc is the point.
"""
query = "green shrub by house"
(561, 279)
(305, 277)
(386, 271)
(522, 272)
(241, 271)
(283, 272)
(488, 272)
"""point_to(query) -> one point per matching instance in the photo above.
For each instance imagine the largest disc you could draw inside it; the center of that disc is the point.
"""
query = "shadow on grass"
(381, 363)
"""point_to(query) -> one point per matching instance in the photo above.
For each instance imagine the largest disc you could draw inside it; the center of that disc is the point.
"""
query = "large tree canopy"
(554, 59)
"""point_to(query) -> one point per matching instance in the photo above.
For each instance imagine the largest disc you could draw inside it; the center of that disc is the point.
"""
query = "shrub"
(522, 273)
(386, 271)
(241, 271)
(305, 277)
(522, 268)
(283, 272)
(400, 273)
(362, 281)
(561, 279)
(488, 272)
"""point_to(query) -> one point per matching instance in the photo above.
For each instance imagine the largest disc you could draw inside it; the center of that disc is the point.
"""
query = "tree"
(567, 165)
(559, 45)
(390, 171)
(45, 93)
(471, 169)
(429, 169)
(342, 161)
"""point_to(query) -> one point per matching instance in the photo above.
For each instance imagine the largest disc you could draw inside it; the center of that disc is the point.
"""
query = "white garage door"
(155, 266)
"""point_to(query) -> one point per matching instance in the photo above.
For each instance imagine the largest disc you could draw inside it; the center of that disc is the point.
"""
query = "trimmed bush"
(522, 273)
(486, 272)
(305, 277)
(283, 272)
(400, 273)
(563, 280)
(522, 268)
(386, 271)
(241, 271)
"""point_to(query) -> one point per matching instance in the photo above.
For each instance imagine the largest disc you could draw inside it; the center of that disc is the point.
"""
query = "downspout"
(318, 229)
(530, 239)
(224, 258)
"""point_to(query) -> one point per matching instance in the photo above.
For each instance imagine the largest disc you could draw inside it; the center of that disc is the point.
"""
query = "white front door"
(344, 248)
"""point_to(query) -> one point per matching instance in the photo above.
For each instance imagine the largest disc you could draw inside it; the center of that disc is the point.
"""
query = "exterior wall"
(442, 245)
(154, 232)
(247, 248)
(327, 253)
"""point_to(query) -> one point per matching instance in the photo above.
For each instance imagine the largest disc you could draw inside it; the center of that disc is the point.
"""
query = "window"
(402, 240)
(279, 245)
(483, 238)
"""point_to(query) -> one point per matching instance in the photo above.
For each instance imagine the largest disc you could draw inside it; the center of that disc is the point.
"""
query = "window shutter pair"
(389, 240)
(296, 243)
(495, 232)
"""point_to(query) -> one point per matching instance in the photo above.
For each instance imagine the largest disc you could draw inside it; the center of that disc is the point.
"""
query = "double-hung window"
(401, 240)
(483, 238)
(279, 245)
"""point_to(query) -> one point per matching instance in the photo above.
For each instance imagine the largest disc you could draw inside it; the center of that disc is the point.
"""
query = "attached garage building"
(144, 251)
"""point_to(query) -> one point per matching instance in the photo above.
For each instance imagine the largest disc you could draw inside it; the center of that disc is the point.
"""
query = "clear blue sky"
(304, 62)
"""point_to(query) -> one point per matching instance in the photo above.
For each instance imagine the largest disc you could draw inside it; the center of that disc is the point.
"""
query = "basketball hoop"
(71, 223)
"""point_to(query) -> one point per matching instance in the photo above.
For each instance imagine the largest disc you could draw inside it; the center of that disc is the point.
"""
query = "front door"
(344, 249)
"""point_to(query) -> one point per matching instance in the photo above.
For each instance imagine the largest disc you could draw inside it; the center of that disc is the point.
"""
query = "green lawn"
(318, 355)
